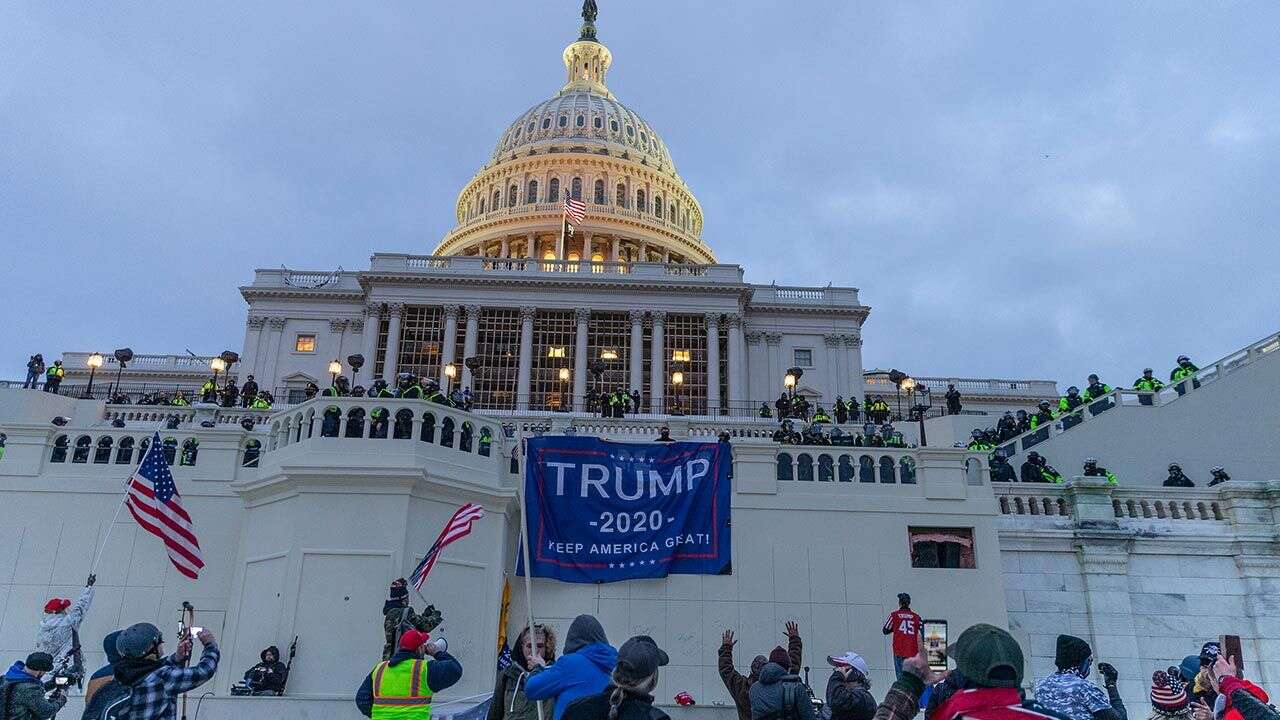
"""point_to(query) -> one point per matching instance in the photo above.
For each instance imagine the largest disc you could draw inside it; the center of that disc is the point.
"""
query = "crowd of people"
(1036, 469)
(814, 434)
(797, 407)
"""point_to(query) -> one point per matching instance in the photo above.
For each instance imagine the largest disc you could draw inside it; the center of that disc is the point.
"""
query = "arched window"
(563, 121)
(428, 428)
(486, 435)
(657, 205)
(59, 453)
(784, 467)
(644, 139)
(621, 198)
(355, 423)
(575, 189)
(378, 421)
(907, 470)
(102, 455)
(599, 199)
(124, 451)
(631, 132)
(580, 122)
(170, 449)
(846, 468)
(330, 422)
(887, 470)
(190, 448)
(546, 123)
(465, 437)
(613, 125)
(804, 467)
(826, 469)
(512, 195)
(481, 206)
(446, 432)
(599, 123)
(497, 199)
(404, 425)
(143, 447)
(866, 469)
(252, 451)
(640, 204)
(81, 453)
(531, 196)
(532, 125)
(553, 190)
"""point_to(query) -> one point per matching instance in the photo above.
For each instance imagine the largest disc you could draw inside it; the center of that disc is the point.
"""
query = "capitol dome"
(582, 143)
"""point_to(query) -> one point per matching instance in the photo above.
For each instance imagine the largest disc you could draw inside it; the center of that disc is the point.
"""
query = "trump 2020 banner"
(606, 511)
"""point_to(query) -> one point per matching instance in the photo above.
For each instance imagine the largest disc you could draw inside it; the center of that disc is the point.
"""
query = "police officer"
(1091, 469)
(1071, 400)
(895, 439)
(1096, 389)
(1148, 383)
(408, 386)
(1021, 423)
(433, 393)
(820, 416)
(1177, 478)
(1043, 416)
(1030, 470)
(1001, 470)
(1006, 427)
(261, 401)
(853, 407)
(379, 389)
(979, 442)
(341, 387)
(208, 391)
(53, 376)
(871, 437)
(1219, 475)
(841, 411)
(1184, 370)
(248, 391)
(765, 411)
(179, 400)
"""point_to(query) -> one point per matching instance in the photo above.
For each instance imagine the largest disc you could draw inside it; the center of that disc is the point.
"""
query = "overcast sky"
(1028, 190)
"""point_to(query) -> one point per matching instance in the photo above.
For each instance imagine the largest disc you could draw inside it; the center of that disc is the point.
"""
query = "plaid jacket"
(154, 696)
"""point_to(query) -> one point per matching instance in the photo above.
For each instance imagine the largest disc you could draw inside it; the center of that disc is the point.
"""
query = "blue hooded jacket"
(17, 673)
(583, 670)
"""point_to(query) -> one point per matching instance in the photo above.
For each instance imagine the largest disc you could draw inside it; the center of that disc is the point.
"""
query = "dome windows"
(564, 121)
(599, 123)
(531, 196)
(576, 189)
(546, 123)
(613, 125)
(553, 190)
(640, 204)
(599, 194)
(497, 199)
(644, 139)
(580, 121)
(657, 205)
(631, 132)
(512, 193)
(532, 124)
(621, 198)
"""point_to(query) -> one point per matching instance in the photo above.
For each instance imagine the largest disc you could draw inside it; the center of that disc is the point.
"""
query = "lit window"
(305, 344)
(597, 257)
(548, 255)
(949, 548)
(803, 357)
(574, 257)
(553, 351)
(680, 356)
(609, 354)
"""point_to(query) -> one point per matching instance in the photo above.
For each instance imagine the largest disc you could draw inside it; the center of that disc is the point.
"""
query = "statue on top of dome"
(589, 11)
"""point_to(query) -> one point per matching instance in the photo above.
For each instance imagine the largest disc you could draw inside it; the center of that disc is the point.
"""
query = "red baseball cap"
(411, 640)
(57, 605)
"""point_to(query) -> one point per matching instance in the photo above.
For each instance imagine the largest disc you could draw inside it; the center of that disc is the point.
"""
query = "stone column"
(613, 249)
(448, 343)
(657, 366)
(525, 372)
(773, 343)
(469, 341)
(737, 369)
(252, 339)
(372, 321)
(635, 377)
(395, 312)
(757, 359)
(270, 373)
(1104, 564)
(585, 265)
(338, 328)
(583, 316)
(560, 255)
(506, 247)
(853, 365)
(356, 326)
(1260, 575)
(713, 362)
(531, 245)
(834, 372)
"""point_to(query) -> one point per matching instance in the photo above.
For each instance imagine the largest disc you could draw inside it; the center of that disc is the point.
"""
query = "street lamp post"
(450, 372)
(335, 369)
(564, 384)
(94, 362)
(677, 379)
(217, 365)
(922, 407)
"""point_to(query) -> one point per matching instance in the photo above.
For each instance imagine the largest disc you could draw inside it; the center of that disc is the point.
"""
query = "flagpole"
(528, 570)
(97, 556)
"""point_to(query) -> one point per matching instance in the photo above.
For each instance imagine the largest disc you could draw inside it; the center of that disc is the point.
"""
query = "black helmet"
(1217, 469)
(1090, 461)
(138, 640)
(1073, 390)
(1021, 413)
(1093, 378)
(1175, 466)
(342, 382)
(1044, 404)
(1033, 455)
(1147, 371)
(1183, 358)
(976, 433)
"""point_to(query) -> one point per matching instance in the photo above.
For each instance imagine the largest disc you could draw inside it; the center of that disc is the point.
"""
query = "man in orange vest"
(401, 688)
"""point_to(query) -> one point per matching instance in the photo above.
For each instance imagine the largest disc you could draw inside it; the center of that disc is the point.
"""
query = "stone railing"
(342, 281)
(880, 383)
(471, 265)
(140, 363)
(780, 295)
(593, 211)
(1140, 399)
(1154, 503)
(384, 420)
(185, 414)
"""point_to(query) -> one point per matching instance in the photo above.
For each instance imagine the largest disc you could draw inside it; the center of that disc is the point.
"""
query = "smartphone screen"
(196, 631)
(61, 680)
(935, 643)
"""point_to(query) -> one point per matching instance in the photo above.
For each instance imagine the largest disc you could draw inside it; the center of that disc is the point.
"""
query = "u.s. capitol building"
(302, 533)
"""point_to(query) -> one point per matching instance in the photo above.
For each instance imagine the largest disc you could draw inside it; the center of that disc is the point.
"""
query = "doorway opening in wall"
(949, 548)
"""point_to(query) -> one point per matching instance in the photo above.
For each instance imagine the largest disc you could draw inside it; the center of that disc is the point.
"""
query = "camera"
(61, 681)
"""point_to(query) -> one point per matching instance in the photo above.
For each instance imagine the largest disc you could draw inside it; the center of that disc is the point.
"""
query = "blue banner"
(606, 511)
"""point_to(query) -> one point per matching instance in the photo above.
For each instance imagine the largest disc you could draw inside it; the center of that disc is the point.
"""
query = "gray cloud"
(1030, 191)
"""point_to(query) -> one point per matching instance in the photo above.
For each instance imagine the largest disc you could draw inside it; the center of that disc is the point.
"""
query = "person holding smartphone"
(155, 680)
(23, 695)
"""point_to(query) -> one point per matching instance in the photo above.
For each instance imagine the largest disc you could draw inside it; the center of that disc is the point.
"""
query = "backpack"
(790, 709)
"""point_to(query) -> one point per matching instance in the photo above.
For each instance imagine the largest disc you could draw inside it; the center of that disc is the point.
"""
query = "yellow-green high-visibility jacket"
(400, 691)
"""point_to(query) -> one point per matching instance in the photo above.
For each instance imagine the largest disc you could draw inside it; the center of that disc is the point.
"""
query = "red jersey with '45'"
(905, 626)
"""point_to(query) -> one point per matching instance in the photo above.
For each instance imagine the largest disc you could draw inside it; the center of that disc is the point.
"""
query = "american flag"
(575, 210)
(458, 527)
(153, 500)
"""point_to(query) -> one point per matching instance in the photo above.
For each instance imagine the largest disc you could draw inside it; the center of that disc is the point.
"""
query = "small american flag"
(153, 500)
(458, 527)
(575, 210)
